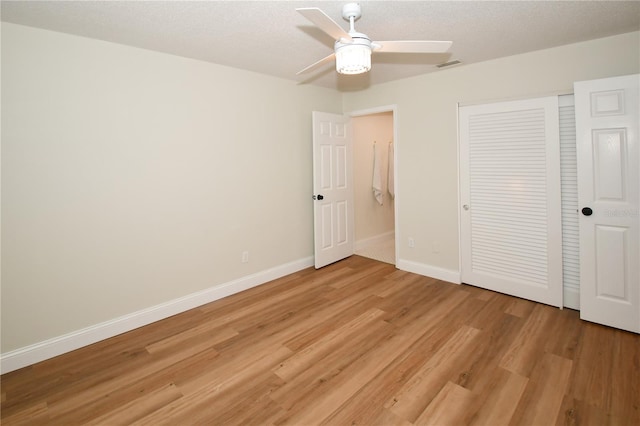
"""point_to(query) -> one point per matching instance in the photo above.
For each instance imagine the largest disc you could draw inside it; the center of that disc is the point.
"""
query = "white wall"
(371, 218)
(427, 193)
(131, 178)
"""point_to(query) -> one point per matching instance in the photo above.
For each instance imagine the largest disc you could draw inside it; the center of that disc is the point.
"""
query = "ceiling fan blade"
(324, 22)
(318, 64)
(413, 46)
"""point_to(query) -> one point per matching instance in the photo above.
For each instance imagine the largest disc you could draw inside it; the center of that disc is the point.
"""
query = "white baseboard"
(571, 298)
(377, 239)
(442, 274)
(50, 348)
(571, 295)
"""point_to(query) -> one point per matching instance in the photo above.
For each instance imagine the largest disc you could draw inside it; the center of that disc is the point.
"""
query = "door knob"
(466, 207)
(587, 211)
(318, 197)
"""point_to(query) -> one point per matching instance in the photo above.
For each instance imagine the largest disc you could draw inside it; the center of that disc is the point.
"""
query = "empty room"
(301, 213)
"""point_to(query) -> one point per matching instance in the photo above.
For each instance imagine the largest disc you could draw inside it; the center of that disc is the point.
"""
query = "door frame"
(393, 108)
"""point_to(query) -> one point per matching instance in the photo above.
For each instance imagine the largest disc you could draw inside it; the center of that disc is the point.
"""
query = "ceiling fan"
(352, 50)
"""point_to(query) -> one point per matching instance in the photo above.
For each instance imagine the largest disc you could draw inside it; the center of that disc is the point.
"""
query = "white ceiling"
(270, 37)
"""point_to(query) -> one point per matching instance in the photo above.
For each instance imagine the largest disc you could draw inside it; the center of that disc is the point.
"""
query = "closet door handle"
(466, 207)
(587, 211)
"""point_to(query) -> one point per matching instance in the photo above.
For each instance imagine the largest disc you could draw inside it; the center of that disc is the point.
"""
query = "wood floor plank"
(593, 366)
(574, 412)
(413, 398)
(489, 312)
(497, 402)
(542, 399)
(625, 381)
(200, 396)
(320, 377)
(254, 407)
(564, 333)
(603, 384)
(407, 297)
(203, 336)
(520, 307)
(395, 284)
(235, 312)
(119, 389)
(438, 299)
(227, 369)
(340, 387)
(526, 349)
(34, 415)
(327, 315)
(139, 407)
(59, 387)
(355, 343)
(301, 360)
(447, 408)
(499, 330)
(279, 311)
(386, 418)
(356, 277)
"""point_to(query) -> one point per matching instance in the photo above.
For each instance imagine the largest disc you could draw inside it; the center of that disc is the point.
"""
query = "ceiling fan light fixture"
(353, 59)
(352, 49)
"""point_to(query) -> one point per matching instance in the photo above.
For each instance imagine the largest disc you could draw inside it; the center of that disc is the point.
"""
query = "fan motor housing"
(357, 38)
(351, 10)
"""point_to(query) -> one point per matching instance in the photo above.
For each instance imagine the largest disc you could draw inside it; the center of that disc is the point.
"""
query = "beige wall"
(371, 218)
(427, 193)
(131, 178)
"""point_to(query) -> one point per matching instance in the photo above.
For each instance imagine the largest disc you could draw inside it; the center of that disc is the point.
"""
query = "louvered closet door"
(569, 188)
(511, 229)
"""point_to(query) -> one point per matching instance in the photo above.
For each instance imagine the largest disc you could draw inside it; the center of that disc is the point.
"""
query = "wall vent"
(448, 64)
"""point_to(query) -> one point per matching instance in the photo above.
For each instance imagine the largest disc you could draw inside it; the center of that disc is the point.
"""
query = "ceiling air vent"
(448, 64)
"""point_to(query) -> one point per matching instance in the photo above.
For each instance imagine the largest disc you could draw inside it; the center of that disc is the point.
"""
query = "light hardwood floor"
(357, 342)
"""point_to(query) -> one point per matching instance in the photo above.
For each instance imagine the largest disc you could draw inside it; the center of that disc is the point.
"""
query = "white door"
(511, 236)
(608, 193)
(332, 188)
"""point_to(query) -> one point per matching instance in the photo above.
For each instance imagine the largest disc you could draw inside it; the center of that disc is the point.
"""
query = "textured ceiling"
(270, 37)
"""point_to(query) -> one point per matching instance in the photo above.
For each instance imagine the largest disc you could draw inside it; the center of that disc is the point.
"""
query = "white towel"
(391, 185)
(377, 176)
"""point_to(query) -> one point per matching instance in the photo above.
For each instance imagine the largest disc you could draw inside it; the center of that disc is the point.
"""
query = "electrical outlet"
(245, 257)
(411, 242)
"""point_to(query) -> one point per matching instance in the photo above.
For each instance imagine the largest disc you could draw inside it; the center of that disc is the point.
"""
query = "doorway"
(374, 167)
